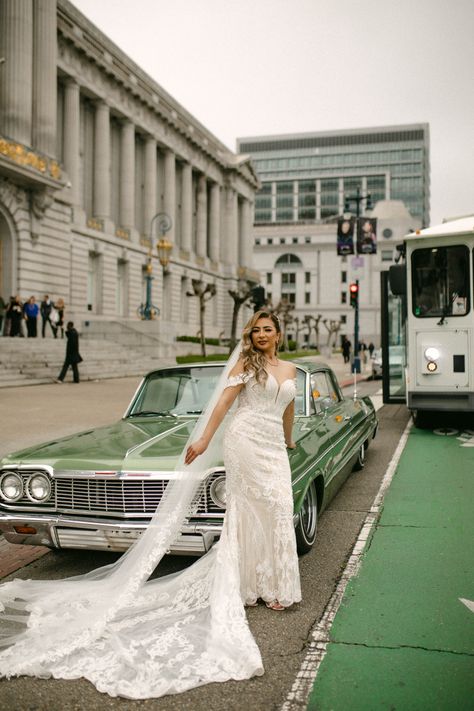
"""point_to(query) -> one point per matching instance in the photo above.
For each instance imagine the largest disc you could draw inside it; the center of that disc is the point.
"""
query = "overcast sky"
(251, 67)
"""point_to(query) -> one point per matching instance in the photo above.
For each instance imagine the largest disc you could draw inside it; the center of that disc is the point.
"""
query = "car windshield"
(176, 391)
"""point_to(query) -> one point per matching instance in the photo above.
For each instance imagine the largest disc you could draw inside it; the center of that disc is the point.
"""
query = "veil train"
(128, 635)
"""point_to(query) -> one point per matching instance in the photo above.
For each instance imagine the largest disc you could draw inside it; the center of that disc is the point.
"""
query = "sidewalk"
(403, 637)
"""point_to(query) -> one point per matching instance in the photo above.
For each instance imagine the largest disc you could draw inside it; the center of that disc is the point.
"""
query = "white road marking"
(297, 698)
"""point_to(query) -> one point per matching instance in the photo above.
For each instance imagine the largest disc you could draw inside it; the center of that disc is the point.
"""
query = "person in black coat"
(72, 354)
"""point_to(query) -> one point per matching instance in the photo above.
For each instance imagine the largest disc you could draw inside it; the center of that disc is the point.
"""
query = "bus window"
(440, 281)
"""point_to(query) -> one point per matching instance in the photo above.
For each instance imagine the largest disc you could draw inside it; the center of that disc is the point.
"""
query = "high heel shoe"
(275, 605)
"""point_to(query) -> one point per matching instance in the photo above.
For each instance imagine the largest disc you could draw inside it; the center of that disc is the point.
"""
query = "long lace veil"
(129, 635)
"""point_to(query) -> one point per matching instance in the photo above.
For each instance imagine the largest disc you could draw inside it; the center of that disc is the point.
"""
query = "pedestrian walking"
(46, 308)
(15, 316)
(363, 352)
(31, 311)
(73, 357)
(346, 349)
(371, 349)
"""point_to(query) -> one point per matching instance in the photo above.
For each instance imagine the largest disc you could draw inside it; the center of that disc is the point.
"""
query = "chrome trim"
(156, 438)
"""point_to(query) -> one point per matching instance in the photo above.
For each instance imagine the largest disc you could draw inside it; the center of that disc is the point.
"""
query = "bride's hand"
(195, 449)
(291, 445)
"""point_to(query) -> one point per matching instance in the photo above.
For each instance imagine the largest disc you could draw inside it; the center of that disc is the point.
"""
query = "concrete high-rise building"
(91, 149)
(305, 180)
(306, 176)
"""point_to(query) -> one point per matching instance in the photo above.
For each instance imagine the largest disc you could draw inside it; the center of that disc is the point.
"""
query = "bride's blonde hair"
(253, 359)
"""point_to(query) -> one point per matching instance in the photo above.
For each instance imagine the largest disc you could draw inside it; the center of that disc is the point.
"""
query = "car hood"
(140, 443)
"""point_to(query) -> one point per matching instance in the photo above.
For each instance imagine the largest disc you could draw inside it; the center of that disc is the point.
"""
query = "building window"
(307, 277)
(295, 240)
(288, 296)
(307, 240)
(257, 241)
(288, 278)
(269, 240)
(269, 296)
(288, 259)
(387, 255)
(307, 297)
(343, 318)
(282, 240)
(343, 297)
(269, 277)
(344, 277)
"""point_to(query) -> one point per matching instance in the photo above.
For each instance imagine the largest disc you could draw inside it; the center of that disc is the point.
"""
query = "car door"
(338, 417)
(311, 436)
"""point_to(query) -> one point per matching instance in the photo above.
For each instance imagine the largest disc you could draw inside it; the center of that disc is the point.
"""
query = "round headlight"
(432, 353)
(218, 492)
(38, 488)
(11, 486)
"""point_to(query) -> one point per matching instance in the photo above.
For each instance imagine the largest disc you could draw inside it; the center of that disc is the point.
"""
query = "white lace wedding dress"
(141, 638)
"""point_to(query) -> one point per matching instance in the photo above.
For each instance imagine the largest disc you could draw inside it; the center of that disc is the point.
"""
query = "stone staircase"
(32, 361)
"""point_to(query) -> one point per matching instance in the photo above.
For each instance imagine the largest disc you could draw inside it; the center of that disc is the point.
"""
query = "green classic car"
(99, 488)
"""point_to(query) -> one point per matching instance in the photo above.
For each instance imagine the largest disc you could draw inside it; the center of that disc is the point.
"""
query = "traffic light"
(258, 297)
(354, 294)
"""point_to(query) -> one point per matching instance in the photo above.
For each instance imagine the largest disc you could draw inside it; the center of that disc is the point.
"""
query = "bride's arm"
(288, 419)
(219, 412)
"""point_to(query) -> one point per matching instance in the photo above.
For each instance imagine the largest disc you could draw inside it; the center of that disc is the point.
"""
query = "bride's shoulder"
(289, 369)
(238, 368)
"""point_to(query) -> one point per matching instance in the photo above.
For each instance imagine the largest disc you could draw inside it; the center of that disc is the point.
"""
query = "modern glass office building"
(306, 177)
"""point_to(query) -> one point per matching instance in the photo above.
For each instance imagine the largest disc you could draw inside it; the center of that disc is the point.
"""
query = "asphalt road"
(282, 637)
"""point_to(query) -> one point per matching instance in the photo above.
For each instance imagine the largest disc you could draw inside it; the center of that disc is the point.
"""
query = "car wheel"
(307, 526)
(360, 461)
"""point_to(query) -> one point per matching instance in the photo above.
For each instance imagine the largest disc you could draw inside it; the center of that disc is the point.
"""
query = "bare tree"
(240, 296)
(333, 327)
(204, 292)
(313, 322)
(283, 311)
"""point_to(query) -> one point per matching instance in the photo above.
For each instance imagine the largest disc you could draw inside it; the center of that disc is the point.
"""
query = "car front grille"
(122, 498)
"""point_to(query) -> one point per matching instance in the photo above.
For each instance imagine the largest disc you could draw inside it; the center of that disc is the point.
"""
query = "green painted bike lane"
(402, 639)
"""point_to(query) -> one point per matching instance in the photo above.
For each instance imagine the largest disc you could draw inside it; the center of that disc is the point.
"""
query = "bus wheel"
(420, 419)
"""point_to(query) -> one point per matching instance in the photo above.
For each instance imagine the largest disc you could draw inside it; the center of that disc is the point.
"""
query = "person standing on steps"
(73, 357)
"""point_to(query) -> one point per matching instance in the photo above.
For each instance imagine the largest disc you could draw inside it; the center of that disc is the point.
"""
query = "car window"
(334, 389)
(300, 392)
(181, 391)
(320, 391)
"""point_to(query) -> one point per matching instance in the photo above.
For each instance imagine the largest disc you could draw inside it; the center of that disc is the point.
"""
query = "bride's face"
(265, 336)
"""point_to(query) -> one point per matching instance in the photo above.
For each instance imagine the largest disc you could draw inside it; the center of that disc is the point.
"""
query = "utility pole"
(358, 198)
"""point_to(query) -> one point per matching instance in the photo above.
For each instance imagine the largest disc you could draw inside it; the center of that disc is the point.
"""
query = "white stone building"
(91, 148)
(299, 263)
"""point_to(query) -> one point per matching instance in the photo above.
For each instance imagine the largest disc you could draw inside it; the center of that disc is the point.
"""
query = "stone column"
(149, 207)
(245, 236)
(102, 161)
(169, 202)
(186, 208)
(230, 237)
(127, 176)
(215, 221)
(201, 237)
(71, 136)
(45, 76)
(16, 84)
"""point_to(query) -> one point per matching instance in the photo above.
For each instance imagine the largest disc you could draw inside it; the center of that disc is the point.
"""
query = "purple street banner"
(345, 236)
(366, 235)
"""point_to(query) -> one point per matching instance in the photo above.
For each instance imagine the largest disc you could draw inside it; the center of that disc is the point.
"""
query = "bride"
(141, 638)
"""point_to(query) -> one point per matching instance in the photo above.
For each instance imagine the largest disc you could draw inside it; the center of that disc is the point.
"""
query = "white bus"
(436, 328)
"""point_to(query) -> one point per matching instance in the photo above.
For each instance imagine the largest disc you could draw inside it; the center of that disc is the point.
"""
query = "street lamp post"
(358, 198)
(148, 311)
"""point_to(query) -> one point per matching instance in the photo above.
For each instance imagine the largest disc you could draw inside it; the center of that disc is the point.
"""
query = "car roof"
(306, 365)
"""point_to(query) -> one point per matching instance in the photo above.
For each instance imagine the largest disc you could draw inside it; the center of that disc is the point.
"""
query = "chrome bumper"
(100, 534)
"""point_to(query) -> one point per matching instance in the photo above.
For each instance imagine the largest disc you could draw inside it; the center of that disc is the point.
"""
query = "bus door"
(393, 312)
